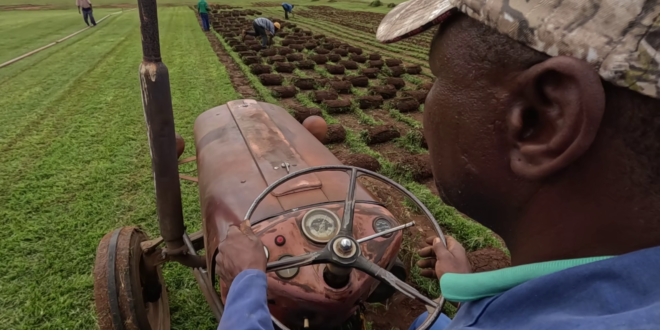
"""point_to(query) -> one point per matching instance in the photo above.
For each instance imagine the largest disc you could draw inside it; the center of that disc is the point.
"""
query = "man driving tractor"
(543, 125)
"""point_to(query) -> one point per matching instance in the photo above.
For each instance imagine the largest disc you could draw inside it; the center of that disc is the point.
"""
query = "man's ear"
(558, 107)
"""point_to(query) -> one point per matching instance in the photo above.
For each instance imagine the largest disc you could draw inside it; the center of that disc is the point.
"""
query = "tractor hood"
(244, 146)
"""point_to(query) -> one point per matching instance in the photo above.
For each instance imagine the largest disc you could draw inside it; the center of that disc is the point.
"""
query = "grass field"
(24, 31)
(75, 159)
(75, 163)
(362, 5)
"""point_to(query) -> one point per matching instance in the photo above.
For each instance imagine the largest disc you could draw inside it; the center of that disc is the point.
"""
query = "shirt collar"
(469, 287)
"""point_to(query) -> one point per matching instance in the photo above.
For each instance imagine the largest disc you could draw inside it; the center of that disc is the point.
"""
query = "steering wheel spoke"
(365, 265)
(349, 205)
(311, 258)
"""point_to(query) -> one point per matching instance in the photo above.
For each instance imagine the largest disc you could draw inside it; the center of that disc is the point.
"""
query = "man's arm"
(241, 264)
(78, 5)
(246, 306)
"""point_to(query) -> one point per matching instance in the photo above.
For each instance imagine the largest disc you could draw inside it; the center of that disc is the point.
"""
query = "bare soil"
(238, 79)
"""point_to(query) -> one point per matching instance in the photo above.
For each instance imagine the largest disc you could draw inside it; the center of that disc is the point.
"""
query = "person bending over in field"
(265, 28)
(288, 9)
(543, 125)
(203, 8)
(87, 11)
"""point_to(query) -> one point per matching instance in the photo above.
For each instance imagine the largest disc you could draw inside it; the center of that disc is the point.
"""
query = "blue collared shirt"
(621, 293)
(617, 293)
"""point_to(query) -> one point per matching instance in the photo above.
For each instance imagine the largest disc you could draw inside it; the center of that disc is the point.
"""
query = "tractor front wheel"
(129, 294)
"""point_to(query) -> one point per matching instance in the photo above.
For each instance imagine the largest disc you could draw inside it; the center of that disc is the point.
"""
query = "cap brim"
(412, 17)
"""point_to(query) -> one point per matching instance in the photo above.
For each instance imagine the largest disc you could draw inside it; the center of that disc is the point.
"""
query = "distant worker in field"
(263, 27)
(86, 11)
(288, 9)
(203, 8)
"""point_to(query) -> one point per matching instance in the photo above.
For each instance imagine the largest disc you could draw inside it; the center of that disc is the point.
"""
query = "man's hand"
(240, 250)
(441, 259)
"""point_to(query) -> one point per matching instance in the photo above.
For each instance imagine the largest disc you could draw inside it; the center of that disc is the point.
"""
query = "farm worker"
(288, 8)
(203, 8)
(263, 27)
(86, 11)
(543, 125)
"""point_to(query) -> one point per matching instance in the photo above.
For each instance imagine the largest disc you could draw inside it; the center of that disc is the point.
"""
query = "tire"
(128, 295)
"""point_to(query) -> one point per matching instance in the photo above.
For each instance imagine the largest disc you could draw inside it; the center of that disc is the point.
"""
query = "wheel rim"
(120, 294)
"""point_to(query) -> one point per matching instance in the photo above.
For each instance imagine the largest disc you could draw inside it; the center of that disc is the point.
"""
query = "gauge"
(320, 225)
(381, 225)
(289, 272)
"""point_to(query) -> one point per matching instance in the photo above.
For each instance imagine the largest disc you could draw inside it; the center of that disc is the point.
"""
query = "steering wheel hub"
(344, 247)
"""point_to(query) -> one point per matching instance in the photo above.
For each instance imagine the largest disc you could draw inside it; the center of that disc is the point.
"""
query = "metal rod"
(383, 233)
(158, 115)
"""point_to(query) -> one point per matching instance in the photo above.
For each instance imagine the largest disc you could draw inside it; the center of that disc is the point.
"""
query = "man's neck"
(583, 220)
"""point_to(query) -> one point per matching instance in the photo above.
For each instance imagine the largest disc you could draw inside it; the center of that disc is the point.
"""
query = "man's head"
(514, 131)
(504, 121)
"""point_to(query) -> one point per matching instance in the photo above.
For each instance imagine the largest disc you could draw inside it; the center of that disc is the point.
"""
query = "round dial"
(381, 225)
(320, 225)
(289, 272)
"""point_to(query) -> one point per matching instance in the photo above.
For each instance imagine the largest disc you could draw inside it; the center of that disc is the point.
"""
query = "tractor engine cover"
(244, 146)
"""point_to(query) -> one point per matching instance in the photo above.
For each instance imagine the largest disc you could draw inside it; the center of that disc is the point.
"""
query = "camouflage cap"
(621, 38)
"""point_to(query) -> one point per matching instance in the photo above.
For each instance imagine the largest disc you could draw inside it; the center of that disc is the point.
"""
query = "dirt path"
(238, 79)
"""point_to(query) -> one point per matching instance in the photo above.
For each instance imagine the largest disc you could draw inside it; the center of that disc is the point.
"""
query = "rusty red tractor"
(330, 244)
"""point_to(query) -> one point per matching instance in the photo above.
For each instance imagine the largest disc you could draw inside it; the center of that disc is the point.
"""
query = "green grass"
(396, 114)
(361, 5)
(25, 31)
(323, 72)
(76, 165)
(303, 98)
(412, 142)
(363, 118)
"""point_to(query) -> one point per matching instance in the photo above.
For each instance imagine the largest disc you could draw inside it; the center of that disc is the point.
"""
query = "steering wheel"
(344, 250)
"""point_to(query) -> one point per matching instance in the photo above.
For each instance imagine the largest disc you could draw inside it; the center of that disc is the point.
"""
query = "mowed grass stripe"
(24, 31)
(9, 72)
(33, 114)
(38, 81)
(94, 176)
